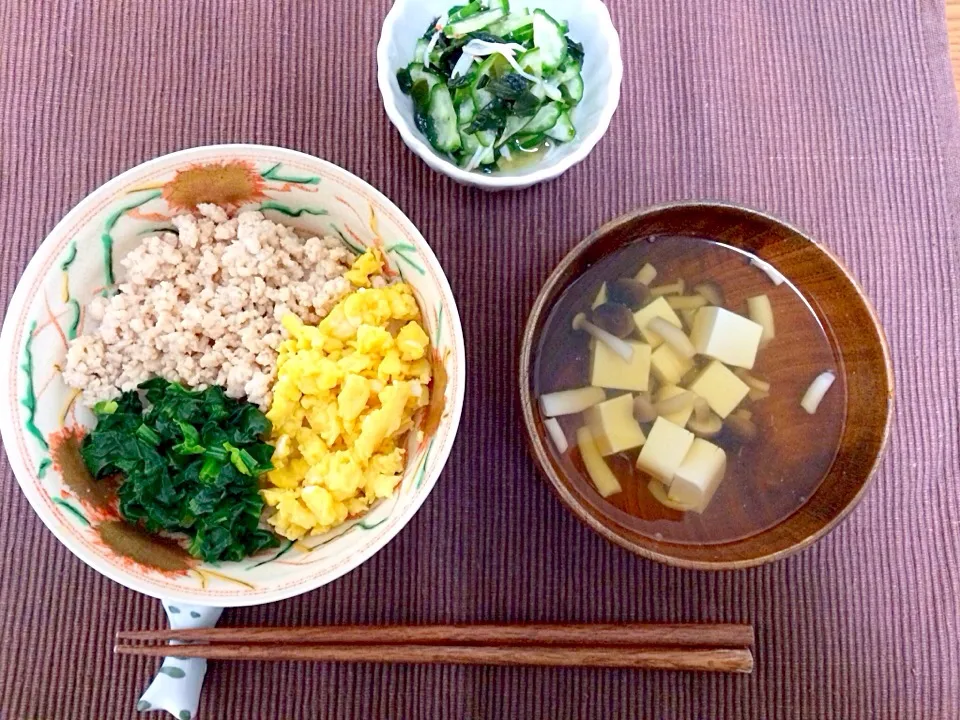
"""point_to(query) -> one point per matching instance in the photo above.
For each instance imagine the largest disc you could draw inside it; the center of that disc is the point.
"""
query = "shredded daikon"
(551, 90)
(479, 48)
(817, 390)
(556, 434)
(463, 65)
(475, 160)
(433, 41)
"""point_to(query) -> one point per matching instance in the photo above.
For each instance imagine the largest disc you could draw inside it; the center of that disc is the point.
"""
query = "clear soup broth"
(766, 479)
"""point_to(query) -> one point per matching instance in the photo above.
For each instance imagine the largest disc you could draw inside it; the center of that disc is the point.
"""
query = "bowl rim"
(19, 299)
(536, 448)
(422, 148)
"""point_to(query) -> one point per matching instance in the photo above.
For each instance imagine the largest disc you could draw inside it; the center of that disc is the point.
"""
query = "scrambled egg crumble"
(345, 395)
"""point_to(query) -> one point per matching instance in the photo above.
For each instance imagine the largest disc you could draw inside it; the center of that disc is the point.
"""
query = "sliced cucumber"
(419, 49)
(459, 12)
(419, 72)
(514, 125)
(572, 89)
(563, 130)
(531, 62)
(530, 142)
(523, 36)
(569, 70)
(481, 98)
(442, 120)
(545, 119)
(492, 111)
(511, 23)
(420, 92)
(469, 143)
(488, 156)
(466, 111)
(494, 65)
(474, 23)
(549, 37)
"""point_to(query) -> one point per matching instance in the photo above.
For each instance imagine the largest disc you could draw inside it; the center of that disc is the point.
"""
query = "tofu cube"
(726, 336)
(722, 390)
(658, 308)
(668, 366)
(613, 426)
(699, 475)
(612, 371)
(664, 450)
(680, 417)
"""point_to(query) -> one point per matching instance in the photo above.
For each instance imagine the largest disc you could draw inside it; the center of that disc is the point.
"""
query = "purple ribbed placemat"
(839, 117)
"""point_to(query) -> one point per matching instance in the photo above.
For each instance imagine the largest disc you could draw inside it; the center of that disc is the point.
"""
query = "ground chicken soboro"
(203, 307)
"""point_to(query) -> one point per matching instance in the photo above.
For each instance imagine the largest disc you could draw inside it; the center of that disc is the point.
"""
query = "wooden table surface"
(953, 33)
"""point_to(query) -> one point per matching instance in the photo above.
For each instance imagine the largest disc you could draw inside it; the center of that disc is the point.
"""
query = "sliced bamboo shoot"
(659, 492)
(567, 402)
(686, 302)
(598, 470)
(676, 288)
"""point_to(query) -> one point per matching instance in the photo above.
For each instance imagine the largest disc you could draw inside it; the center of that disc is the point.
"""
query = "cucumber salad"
(493, 88)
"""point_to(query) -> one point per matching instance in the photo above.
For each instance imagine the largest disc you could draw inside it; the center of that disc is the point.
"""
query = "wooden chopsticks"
(715, 648)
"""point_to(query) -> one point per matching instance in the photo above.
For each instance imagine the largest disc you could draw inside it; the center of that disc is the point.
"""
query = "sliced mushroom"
(615, 318)
(676, 288)
(687, 317)
(701, 410)
(673, 336)
(686, 302)
(644, 410)
(711, 292)
(741, 428)
(627, 291)
(618, 346)
(708, 428)
(675, 403)
(751, 381)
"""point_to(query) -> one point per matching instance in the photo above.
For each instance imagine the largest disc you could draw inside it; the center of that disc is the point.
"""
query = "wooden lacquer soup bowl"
(815, 291)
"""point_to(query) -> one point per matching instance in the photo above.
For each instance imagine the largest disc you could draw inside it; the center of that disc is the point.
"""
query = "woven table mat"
(839, 117)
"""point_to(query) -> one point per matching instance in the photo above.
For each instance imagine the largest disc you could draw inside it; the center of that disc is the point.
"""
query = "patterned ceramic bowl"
(79, 258)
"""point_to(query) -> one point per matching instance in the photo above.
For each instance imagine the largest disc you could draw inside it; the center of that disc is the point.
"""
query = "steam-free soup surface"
(765, 481)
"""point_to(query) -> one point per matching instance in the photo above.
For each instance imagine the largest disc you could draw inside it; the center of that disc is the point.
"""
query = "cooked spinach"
(189, 462)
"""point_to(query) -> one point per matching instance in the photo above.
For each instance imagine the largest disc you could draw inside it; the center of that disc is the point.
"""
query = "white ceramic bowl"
(590, 25)
(75, 261)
